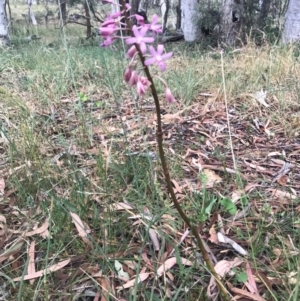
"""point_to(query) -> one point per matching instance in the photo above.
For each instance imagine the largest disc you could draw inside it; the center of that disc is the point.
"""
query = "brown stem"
(164, 164)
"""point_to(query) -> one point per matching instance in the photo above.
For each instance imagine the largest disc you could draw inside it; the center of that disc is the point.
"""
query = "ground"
(85, 211)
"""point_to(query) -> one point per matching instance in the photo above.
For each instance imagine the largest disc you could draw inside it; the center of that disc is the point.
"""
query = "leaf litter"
(268, 164)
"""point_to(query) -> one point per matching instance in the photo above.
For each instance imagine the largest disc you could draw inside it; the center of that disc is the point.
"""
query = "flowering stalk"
(139, 42)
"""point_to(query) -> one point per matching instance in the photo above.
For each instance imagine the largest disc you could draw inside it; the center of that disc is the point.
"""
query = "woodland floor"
(83, 196)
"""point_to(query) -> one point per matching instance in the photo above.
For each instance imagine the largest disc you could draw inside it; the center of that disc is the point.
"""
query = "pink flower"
(107, 31)
(107, 42)
(133, 78)
(159, 57)
(109, 21)
(131, 52)
(169, 96)
(127, 74)
(153, 26)
(116, 15)
(140, 19)
(108, 28)
(139, 38)
(142, 85)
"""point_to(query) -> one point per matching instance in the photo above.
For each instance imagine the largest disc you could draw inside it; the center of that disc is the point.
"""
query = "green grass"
(69, 131)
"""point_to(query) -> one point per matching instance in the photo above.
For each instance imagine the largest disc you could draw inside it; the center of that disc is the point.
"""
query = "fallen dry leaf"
(154, 239)
(52, 268)
(283, 194)
(177, 188)
(183, 237)
(260, 96)
(169, 263)
(3, 227)
(11, 251)
(237, 194)
(31, 264)
(283, 180)
(213, 235)
(105, 287)
(43, 230)
(277, 252)
(97, 297)
(2, 186)
(142, 277)
(81, 228)
(211, 178)
(222, 268)
(250, 283)
(226, 240)
(244, 293)
(121, 206)
(171, 118)
(2, 219)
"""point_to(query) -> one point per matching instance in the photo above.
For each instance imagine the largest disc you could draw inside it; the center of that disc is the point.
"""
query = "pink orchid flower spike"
(158, 57)
(139, 38)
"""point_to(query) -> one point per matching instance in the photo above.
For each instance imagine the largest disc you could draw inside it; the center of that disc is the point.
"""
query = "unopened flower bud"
(131, 52)
(169, 96)
(127, 75)
(133, 78)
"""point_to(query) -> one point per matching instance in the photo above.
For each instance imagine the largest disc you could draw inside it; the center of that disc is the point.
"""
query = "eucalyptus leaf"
(120, 271)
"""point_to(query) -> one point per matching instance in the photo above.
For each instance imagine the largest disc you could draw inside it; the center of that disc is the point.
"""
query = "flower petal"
(135, 31)
(150, 61)
(148, 40)
(160, 49)
(130, 41)
(143, 31)
(154, 19)
(143, 47)
(166, 56)
(152, 51)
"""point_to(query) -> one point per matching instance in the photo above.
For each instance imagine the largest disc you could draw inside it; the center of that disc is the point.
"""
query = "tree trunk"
(144, 5)
(62, 12)
(165, 7)
(291, 31)
(178, 15)
(190, 15)
(88, 20)
(231, 21)
(7, 5)
(265, 8)
(46, 4)
(134, 7)
(30, 13)
(4, 38)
